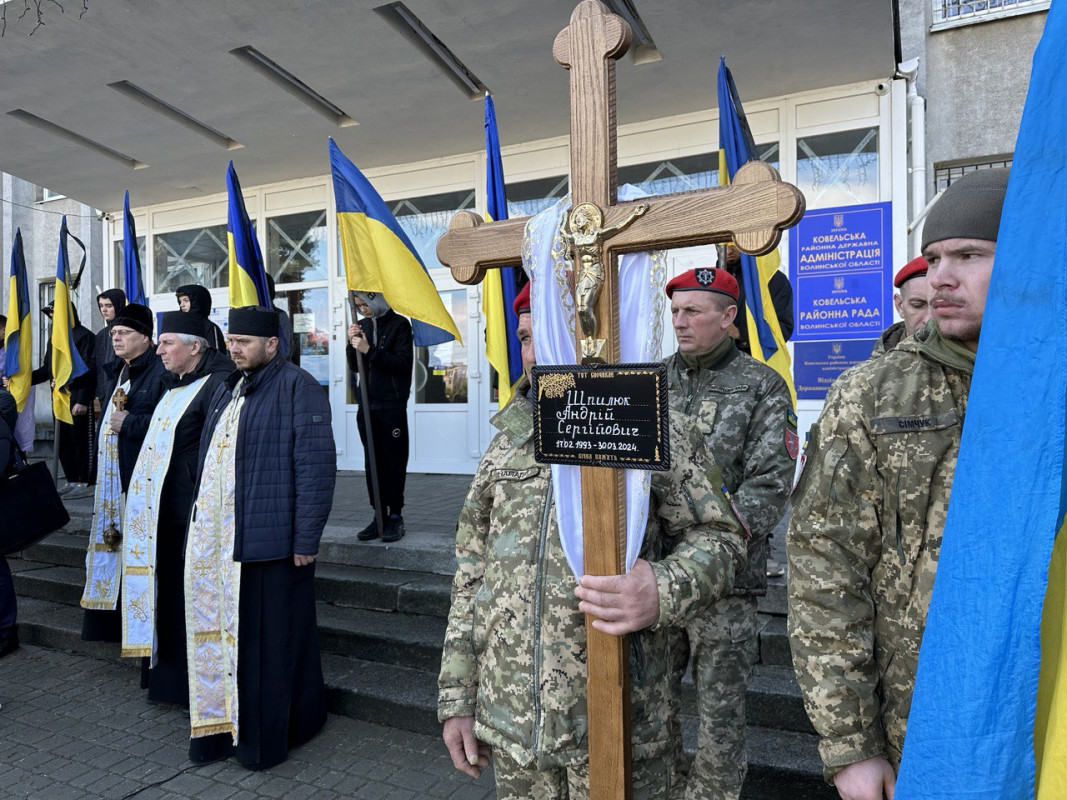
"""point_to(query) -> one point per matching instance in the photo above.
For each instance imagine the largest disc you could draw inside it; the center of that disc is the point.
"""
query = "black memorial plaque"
(602, 415)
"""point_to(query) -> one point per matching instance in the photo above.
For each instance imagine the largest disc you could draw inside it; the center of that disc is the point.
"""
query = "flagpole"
(364, 396)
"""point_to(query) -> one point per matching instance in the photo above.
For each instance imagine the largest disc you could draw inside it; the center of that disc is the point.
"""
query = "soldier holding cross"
(512, 680)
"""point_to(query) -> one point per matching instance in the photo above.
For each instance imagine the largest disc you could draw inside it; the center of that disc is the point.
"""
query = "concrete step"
(59, 626)
(43, 582)
(383, 589)
(774, 602)
(400, 639)
(62, 548)
(418, 551)
(774, 643)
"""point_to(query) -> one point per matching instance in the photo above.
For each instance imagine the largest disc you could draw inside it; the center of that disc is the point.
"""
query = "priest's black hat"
(136, 317)
(254, 321)
(182, 322)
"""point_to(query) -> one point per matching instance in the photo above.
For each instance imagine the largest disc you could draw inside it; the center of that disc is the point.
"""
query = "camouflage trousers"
(653, 779)
(722, 641)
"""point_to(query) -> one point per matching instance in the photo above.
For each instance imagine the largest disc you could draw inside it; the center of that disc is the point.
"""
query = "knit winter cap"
(969, 209)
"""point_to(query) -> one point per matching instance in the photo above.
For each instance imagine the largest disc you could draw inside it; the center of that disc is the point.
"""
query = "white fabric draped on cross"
(642, 277)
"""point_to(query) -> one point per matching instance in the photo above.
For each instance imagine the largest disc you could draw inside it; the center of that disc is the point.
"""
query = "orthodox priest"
(158, 504)
(264, 491)
(135, 383)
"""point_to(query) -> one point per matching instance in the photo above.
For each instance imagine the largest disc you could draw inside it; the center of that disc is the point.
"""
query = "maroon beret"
(914, 268)
(522, 301)
(706, 279)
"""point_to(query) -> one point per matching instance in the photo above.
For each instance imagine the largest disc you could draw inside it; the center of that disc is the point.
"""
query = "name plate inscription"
(602, 415)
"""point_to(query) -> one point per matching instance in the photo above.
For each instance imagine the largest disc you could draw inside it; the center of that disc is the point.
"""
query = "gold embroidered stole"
(141, 522)
(103, 565)
(213, 585)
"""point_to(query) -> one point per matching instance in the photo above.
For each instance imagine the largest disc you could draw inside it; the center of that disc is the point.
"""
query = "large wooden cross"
(752, 212)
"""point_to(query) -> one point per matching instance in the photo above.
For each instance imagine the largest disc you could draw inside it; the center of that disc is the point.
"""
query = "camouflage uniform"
(863, 542)
(744, 411)
(514, 654)
(890, 338)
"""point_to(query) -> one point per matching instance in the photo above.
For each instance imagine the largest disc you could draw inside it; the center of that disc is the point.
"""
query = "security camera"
(882, 88)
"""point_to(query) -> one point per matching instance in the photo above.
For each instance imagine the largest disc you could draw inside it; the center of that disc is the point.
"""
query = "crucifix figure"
(585, 238)
(752, 212)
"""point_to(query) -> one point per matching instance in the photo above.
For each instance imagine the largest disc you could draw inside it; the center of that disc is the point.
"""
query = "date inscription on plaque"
(602, 415)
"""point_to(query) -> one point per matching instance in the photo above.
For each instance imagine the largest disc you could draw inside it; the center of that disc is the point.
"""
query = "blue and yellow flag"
(131, 257)
(18, 335)
(248, 281)
(736, 148)
(499, 287)
(379, 257)
(989, 711)
(67, 362)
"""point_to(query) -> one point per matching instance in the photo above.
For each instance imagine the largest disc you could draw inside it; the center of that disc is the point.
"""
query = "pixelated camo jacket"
(514, 654)
(863, 542)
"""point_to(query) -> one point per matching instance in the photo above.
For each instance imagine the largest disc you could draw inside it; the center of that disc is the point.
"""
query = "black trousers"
(76, 445)
(168, 681)
(390, 429)
(280, 690)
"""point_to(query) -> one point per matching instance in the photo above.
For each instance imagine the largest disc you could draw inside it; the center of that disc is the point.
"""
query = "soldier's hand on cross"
(620, 603)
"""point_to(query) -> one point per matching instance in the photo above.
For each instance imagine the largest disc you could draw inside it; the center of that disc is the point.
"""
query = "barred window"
(945, 174)
(949, 13)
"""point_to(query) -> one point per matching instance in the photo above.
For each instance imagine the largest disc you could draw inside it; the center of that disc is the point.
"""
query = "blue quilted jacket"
(286, 463)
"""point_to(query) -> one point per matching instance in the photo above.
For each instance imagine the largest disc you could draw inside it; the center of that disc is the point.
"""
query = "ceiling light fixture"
(415, 31)
(76, 138)
(645, 52)
(292, 84)
(150, 101)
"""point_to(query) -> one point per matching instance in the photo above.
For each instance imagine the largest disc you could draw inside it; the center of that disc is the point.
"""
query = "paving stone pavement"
(74, 727)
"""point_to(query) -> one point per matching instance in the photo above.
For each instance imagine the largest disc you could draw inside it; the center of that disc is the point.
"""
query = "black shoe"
(9, 640)
(370, 532)
(394, 529)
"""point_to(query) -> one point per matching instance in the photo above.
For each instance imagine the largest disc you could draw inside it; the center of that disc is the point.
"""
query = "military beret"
(253, 321)
(969, 209)
(705, 279)
(522, 301)
(913, 269)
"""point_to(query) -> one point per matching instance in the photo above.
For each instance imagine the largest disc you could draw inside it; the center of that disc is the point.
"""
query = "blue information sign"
(817, 364)
(841, 260)
(842, 291)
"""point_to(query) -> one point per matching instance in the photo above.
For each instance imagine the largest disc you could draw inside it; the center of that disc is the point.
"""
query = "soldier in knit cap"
(745, 413)
(869, 508)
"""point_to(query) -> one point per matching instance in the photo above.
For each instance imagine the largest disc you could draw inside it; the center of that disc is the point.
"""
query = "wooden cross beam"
(752, 212)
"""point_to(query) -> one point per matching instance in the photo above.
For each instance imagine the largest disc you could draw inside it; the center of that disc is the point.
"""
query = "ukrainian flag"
(989, 712)
(67, 363)
(18, 335)
(736, 148)
(131, 257)
(500, 286)
(379, 257)
(248, 281)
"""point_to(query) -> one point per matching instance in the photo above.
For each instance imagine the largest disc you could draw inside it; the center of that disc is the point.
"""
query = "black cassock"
(280, 692)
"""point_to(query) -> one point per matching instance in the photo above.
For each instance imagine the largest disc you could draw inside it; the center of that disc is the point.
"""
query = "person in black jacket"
(76, 440)
(143, 379)
(781, 298)
(384, 339)
(157, 514)
(9, 632)
(196, 299)
(110, 302)
(265, 484)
